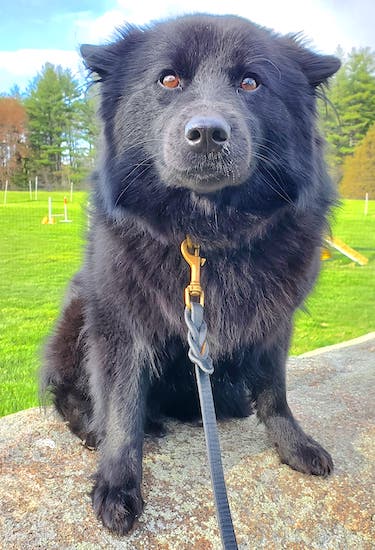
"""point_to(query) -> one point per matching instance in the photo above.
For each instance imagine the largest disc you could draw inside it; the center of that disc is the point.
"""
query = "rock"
(45, 474)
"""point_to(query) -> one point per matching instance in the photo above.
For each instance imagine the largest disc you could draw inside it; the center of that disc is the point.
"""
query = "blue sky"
(45, 24)
(35, 31)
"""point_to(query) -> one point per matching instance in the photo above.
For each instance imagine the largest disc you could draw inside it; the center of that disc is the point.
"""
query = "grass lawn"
(35, 263)
(37, 260)
(342, 306)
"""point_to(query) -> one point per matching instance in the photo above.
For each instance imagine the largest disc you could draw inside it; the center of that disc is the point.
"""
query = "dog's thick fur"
(257, 204)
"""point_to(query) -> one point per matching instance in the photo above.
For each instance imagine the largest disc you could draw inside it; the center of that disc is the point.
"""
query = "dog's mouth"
(205, 181)
(205, 173)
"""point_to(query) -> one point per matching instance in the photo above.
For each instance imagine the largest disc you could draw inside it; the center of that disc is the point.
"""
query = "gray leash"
(199, 355)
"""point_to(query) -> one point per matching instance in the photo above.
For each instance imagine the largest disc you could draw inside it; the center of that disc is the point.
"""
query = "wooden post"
(65, 220)
(366, 204)
(50, 220)
(5, 191)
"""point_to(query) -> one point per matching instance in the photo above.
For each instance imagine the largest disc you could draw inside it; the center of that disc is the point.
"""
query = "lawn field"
(35, 263)
(37, 260)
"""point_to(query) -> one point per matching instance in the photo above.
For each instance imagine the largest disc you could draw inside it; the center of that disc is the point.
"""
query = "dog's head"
(210, 107)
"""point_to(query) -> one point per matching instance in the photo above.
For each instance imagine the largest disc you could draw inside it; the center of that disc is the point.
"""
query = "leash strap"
(199, 355)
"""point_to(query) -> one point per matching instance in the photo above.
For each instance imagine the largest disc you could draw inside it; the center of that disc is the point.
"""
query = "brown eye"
(170, 80)
(249, 84)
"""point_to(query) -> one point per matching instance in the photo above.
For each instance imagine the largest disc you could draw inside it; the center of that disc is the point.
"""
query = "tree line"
(50, 131)
(347, 116)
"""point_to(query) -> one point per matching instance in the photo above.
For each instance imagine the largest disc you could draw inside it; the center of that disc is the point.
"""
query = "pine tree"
(53, 105)
(352, 95)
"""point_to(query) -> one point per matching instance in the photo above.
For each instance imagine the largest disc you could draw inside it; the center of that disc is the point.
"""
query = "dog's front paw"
(116, 507)
(307, 456)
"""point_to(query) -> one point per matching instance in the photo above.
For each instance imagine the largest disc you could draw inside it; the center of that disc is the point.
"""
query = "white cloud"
(99, 30)
(22, 65)
(316, 20)
(28, 62)
(322, 21)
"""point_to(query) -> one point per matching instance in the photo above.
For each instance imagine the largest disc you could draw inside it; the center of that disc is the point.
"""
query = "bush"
(359, 170)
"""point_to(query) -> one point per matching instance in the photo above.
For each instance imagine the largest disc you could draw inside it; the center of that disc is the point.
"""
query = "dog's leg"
(119, 389)
(63, 373)
(300, 451)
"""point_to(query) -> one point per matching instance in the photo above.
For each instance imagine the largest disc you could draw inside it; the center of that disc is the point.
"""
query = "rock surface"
(45, 474)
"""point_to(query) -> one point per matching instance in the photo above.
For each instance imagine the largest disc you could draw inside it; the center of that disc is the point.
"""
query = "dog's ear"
(98, 59)
(317, 68)
(103, 60)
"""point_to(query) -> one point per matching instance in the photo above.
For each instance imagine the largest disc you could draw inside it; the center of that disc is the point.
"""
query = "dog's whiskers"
(123, 191)
(139, 144)
(282, 192)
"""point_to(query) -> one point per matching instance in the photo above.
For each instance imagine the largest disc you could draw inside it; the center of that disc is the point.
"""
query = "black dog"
(209, 129)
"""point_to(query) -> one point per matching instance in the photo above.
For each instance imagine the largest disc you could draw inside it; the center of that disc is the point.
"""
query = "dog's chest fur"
(249, 291)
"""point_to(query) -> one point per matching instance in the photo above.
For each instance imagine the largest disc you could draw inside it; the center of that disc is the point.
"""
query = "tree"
(49, 131)
(86, 133)
(52, 105)
(359, 169)
(352, 94)
(13, 140)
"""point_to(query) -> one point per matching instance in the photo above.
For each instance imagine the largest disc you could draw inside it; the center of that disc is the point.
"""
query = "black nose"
(207, 133)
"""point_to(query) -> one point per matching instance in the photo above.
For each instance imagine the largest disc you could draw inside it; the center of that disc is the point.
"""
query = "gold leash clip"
(194, 289)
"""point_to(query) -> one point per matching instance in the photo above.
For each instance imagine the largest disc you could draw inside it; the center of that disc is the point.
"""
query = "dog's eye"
(249, 84)
(170, 80)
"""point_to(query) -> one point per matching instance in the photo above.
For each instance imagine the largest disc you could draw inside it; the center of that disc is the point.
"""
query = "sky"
(33, 32)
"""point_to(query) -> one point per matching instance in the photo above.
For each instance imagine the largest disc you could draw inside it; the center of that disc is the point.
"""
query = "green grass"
(342, 305)
(35, 263)
(37, 260)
